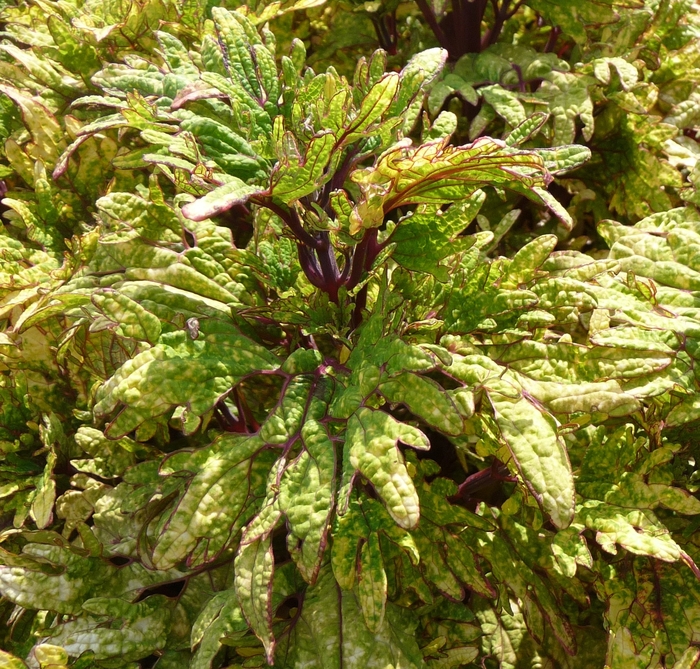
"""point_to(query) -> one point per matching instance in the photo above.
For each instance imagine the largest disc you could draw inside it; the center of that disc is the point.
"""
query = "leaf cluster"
(271, 396)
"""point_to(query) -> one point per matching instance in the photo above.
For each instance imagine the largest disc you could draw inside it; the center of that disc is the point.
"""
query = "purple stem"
(309, 264)
(500, 18)
(338, 179)
(291, 218)
(552, 40)
(496, 472)
(432, 21)
(346, 271)
(521, 82)
(228, 421)
(385, 28)
(459, 22)
(329, 267)
(473, 16)
(358, 260)
(365, 255)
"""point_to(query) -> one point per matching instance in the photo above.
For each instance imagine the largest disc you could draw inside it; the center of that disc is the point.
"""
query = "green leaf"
(562, 159)
(54, 577)
(307, 495)
(45, 495)
(202, 520)
(574, 20)
(443, 126)
(235, 32)
(372, 583)
(302, 361)
(637, 531)
(436, 173)
(633, 642)
(373, 107)
(371, 449)
(525, 263)
(109, 458)
(505, 104)
(287, 419)
(420, 71)
(133, 631)
(221, 199)
(9, 661)
(41, 123)
(568, 98)
(538, 452)
(539, 602)
(626, 71)
(527, 129)
(132, 319)
(425, 239)
(426, 399)
(331, 633)
(304, 492)
(450, 84)
(161, 378)
(221, 616)
(348, 529)
(254, 568)
(297, 175)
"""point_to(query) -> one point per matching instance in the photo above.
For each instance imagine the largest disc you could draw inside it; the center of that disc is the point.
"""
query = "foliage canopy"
(323, 355)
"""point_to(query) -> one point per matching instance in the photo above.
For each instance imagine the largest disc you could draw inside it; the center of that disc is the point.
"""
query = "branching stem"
(500, 17)
(291, 218)
(432, 21)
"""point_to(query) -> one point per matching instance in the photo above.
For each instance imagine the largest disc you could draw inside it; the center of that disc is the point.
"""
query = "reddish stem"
(432, 21)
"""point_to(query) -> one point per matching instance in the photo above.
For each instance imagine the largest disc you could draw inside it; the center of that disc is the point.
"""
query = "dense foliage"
(372, 347)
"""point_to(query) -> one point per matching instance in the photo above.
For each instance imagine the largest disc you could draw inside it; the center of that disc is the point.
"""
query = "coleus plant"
(615, 76)
(278, 405)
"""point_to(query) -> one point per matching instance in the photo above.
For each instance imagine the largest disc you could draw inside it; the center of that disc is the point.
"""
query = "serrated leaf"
(297, 175)
(132, 319)
(372, 583)
(371, 444)
(212, 506)
(537, 451)
(139, 629)
(331, 633)
(179, 371)
(254, 569)
(426, 399)
(221, 199)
